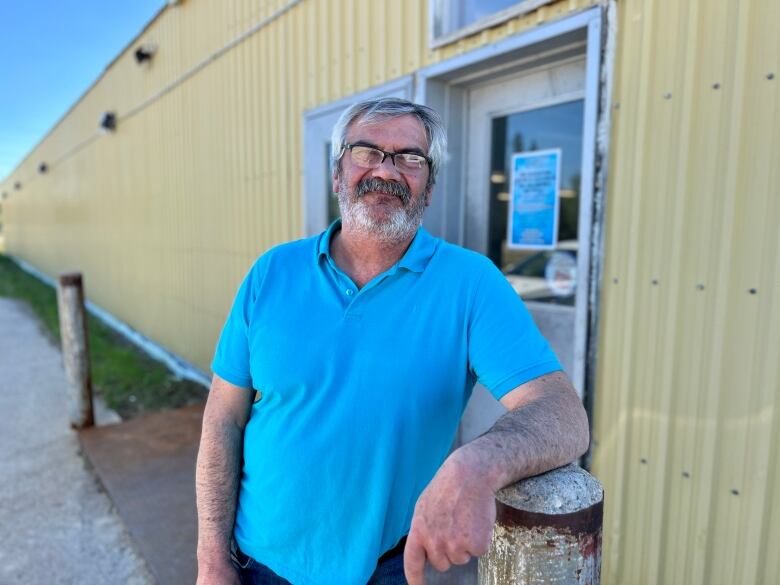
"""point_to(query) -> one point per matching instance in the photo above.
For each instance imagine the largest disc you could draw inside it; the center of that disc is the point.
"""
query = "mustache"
(380, 186)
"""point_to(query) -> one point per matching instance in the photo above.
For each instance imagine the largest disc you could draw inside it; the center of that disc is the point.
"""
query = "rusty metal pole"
(75, 351)
(548, 530)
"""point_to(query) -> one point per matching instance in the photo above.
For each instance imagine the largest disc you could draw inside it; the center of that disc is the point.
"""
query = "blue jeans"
(388, 572)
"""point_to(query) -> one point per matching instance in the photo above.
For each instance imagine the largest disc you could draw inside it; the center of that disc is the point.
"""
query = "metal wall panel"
(204, 172)
(687, 431)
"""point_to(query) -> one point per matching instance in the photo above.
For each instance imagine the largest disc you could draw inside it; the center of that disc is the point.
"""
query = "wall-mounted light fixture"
(108, 121)
(145, 53)
(43, 168)
(18, 185)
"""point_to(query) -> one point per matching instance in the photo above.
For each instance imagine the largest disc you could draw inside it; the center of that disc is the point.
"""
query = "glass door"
(529, 269)
(515, 122)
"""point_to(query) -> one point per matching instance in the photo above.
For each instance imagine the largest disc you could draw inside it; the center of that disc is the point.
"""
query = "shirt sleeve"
(231, 358)
(506, 348)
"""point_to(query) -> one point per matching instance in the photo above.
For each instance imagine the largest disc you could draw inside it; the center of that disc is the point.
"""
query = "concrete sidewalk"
(56, 523)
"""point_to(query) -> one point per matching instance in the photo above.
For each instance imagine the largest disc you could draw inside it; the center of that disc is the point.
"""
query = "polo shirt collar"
(419, 252)
(323, 246)
(415, 259)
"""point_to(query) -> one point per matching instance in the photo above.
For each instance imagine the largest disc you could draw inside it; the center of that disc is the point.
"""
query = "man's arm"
(217, 478)
(546, 427)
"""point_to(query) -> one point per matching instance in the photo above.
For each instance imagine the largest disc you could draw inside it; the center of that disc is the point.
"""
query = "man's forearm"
(453, 519)
(216, 483)
(538, 436)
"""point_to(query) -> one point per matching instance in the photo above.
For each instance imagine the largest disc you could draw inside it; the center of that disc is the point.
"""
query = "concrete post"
(75, 351)
(548, 530)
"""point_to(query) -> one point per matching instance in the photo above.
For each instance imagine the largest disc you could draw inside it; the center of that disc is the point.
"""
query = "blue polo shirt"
(362, 394)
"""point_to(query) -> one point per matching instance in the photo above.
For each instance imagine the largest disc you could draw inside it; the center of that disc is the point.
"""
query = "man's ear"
(428, 195)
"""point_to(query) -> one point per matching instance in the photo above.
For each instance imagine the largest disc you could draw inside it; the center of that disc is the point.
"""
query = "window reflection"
(473, 10)
(546, 275)
(452, 15)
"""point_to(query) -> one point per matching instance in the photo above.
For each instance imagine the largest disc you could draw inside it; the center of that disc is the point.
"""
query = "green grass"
(129, 381)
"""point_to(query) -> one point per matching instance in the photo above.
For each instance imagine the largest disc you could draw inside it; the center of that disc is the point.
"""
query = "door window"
(538, 275)
(333, 202)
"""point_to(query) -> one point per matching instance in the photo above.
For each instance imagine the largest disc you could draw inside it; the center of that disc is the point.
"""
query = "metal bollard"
(75, 350)
(548, 531)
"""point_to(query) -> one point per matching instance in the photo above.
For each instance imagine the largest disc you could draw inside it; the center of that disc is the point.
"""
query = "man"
(342, 373)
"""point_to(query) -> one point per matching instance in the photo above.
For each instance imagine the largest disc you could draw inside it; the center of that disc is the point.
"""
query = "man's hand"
(453, 519)
(546, 427)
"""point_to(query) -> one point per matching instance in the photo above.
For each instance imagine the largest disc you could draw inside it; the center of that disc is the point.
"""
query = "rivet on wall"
(770, 76)
(43, 168)
(617, 105)
(668, 96)
(615, 280)
(700, 287)
(654, 281)
(716, 86)
(17, 185)
(735, 492)
(643, 461)
(753, 291)
(686, 475)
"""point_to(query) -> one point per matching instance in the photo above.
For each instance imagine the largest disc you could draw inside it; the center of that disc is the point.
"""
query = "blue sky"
(53, 50)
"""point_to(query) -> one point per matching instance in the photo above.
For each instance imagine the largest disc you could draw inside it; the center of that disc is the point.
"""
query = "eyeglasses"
(368, 157)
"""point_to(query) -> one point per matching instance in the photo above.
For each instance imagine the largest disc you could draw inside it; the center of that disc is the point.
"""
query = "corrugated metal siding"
(686, 418)
(166, 215)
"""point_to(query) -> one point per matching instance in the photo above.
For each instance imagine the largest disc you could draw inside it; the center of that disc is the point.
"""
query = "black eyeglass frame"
(385, 153)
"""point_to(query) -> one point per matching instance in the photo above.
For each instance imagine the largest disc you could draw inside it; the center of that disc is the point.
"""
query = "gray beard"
(402, 224)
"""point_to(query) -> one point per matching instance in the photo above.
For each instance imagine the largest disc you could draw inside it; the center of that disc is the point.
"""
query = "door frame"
(445, 85)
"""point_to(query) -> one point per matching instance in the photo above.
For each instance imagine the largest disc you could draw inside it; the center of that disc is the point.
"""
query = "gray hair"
(388, 108)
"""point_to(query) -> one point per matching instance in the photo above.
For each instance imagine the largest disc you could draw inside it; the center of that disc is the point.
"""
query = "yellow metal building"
(219, 152)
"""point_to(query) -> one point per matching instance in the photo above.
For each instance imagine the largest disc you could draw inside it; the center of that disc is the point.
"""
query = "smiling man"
(341, 375)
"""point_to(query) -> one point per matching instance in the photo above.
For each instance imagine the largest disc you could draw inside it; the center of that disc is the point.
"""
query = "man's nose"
(386, 170)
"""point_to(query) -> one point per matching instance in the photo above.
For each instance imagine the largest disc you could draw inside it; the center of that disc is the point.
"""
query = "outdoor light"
(42, 168)
(145, 53)
(108, 121)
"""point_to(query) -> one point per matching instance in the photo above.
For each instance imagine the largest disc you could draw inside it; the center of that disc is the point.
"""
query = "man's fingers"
(481, 549)
(481, 543)
(414, 562)
(458, 557)
(438, 558)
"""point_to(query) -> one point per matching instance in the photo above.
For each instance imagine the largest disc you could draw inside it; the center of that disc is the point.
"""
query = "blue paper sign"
(535, 199)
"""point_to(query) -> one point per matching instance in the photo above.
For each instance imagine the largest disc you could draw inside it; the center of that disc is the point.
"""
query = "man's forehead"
(405, 128)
